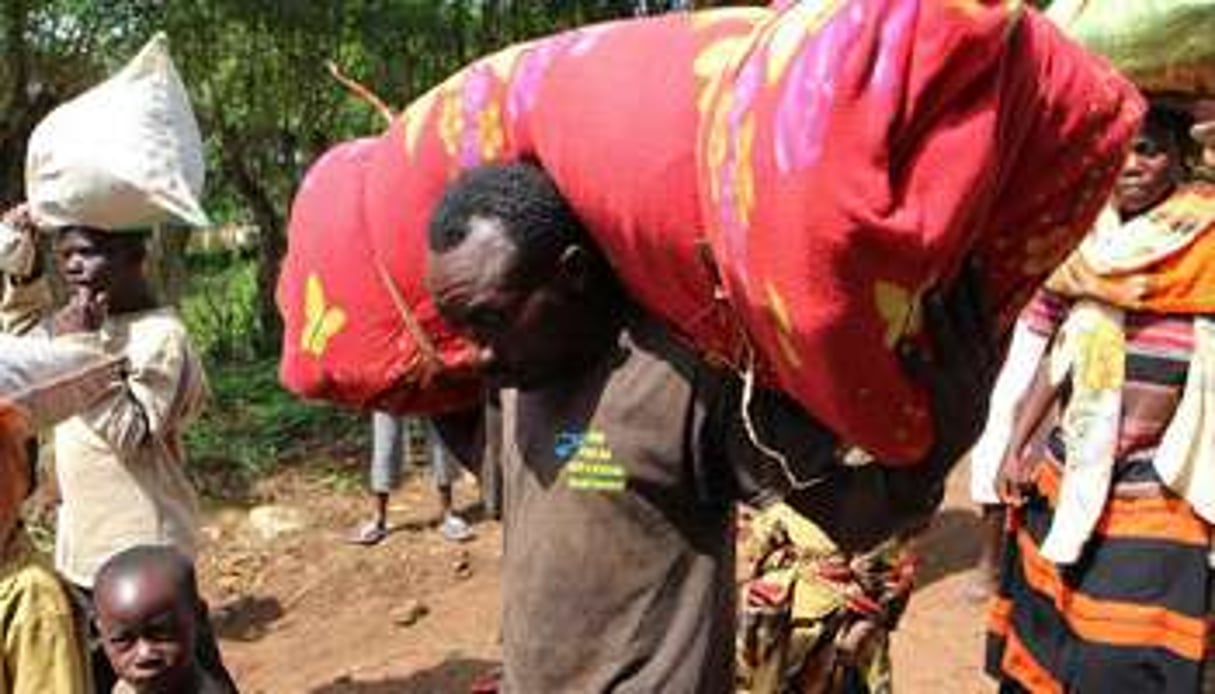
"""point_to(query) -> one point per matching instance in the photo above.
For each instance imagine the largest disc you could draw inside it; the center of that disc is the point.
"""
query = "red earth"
(306, 612)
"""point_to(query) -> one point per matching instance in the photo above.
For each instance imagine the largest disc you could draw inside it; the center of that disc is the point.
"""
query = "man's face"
(95, 261)
(147, 631)
(522, 318)
(1149, 173)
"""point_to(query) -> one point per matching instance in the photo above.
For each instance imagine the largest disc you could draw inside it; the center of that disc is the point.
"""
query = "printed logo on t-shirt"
(589, 466)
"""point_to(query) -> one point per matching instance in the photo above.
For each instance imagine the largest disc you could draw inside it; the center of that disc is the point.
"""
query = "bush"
(252, 425)
(220, 306)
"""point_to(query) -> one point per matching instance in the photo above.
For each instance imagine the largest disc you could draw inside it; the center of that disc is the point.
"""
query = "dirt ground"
(298, 610)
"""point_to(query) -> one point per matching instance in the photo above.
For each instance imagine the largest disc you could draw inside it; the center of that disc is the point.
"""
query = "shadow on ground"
(454, 675)
(247, 618)
(949, 546)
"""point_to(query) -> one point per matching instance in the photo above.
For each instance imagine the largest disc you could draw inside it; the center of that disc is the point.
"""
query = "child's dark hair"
(162, 558)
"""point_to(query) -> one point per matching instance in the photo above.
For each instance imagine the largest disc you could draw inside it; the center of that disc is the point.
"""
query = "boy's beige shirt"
(121, 463)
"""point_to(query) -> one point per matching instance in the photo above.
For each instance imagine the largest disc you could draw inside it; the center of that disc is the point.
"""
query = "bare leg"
(445, 496)
(381, 510)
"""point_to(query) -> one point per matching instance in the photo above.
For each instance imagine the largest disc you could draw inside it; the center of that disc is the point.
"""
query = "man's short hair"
(520, 196)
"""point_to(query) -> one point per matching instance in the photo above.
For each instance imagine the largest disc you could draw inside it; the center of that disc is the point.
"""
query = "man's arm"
(859, 506)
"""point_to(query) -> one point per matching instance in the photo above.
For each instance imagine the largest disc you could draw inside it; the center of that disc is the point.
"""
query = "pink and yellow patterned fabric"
(780, 185)
(610, 111)
(859, 150)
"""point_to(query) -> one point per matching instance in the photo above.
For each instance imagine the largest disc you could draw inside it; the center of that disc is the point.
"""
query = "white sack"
(127, 154)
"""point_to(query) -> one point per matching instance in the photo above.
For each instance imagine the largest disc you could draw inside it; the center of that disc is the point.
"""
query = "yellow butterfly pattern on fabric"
(898, 309)
(321, 322)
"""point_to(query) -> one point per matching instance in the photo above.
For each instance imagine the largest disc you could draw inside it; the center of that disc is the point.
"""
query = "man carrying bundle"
(622, 453)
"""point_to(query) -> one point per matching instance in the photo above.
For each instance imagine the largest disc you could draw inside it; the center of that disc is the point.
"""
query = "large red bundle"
(350, 333)
(609, 110)
(861, 149)
(836, 158)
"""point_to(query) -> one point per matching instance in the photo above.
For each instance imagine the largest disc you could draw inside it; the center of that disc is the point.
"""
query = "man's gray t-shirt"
(617, 497)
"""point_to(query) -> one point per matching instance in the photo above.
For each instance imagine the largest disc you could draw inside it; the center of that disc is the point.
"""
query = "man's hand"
(1015, 476)
(959, 368)
(85, 312)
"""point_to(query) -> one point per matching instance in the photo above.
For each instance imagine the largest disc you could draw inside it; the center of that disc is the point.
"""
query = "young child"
(152, 620)
(40, 647)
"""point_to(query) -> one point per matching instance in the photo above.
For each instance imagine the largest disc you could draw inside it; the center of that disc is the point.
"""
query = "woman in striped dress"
(1110, 475)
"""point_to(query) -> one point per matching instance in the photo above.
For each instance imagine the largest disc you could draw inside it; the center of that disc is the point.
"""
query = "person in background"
(41, 647)
(149, 614)
(389, 440)
(1109, 472)
(120, 464)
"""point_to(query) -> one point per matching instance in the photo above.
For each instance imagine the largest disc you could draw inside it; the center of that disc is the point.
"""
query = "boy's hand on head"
(19, 219)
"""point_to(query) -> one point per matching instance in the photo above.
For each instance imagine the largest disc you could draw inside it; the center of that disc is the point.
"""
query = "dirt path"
(304, 612)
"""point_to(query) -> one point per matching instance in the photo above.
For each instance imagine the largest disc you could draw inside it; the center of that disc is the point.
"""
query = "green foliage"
(220, 306)
(252, 424)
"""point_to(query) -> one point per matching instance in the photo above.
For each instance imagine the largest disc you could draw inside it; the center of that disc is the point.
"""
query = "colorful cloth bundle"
(609, 110)
(780, 186)
(860, 150)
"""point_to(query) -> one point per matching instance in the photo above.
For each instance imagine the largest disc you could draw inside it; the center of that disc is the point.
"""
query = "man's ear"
(574, 269)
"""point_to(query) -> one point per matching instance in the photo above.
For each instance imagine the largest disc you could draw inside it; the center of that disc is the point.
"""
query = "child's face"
(147, 631)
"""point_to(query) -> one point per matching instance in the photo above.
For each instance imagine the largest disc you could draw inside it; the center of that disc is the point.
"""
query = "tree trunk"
(271, 244)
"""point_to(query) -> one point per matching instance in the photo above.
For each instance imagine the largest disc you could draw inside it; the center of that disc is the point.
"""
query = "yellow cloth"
(1160, 261)
(41, 651)
(1091, 348)
(792, 616)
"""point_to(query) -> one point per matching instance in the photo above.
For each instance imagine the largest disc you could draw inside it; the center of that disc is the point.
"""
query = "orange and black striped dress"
(1132, 614)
